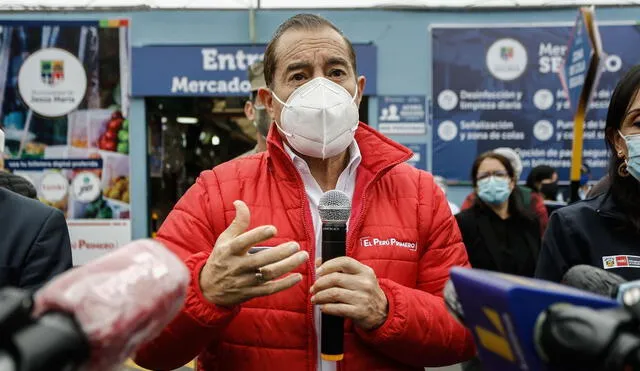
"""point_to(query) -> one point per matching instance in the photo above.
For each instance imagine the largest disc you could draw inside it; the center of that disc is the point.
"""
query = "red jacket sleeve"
(419, 331)
(188, 231)
(537, 206)
(468, 202)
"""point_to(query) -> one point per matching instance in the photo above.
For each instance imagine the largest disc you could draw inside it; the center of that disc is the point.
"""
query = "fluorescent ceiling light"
(187, 120)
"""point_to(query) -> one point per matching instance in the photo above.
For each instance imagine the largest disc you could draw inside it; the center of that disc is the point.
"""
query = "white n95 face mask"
(319, 119)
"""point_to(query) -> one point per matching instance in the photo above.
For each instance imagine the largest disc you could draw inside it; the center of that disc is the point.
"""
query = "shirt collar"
(354, 157)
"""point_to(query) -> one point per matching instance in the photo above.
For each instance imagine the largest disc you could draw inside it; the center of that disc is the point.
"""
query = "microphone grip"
(332, 327)
(7, 362)
(54, 343)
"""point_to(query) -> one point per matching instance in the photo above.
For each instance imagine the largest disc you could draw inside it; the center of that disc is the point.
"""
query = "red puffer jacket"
(401, 226)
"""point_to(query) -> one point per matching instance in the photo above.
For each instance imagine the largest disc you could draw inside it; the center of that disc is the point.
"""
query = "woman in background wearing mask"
(604, 231)
(499, 233)
(531, 200)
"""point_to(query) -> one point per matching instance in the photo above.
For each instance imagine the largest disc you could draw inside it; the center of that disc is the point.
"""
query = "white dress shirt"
(454, 208)
(346, 183)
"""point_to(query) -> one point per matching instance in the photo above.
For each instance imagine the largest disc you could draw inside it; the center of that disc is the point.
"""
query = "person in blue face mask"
(500, 234)
(604, 231)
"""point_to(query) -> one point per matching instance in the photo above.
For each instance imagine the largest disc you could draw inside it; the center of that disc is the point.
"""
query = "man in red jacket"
(261, 311)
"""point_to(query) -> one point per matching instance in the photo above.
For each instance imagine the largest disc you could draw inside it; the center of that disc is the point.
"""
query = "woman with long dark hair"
(499, 232)
(604, 231)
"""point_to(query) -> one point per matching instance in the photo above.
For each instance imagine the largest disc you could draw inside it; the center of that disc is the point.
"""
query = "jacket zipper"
(311, 262)
(306, 212)
(358, 224)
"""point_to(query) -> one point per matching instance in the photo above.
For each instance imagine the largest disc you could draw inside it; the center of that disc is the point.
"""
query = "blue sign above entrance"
(217, 70)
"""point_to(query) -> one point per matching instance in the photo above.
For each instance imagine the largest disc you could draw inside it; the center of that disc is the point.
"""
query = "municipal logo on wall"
(506, 59)
(506, 53)
(52, 82)
(52, 72)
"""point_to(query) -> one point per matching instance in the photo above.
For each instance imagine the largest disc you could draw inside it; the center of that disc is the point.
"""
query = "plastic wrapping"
(120, 300)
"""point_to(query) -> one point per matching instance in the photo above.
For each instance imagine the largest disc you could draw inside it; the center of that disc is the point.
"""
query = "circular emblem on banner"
(543, 99)
(447, 100)
(543, 130)
(506, 59)
(447, 131)
(52, 82)
(86, 186)
(54, 187)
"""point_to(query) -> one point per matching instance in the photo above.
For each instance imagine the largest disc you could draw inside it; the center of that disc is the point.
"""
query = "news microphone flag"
(501, 311)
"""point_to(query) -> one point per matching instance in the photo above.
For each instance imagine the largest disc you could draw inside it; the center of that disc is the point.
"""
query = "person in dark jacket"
(35, 244)
(531, 200)
(500, 234)
(254, 108)
(544, 180)
(604, 231)
(17, 184)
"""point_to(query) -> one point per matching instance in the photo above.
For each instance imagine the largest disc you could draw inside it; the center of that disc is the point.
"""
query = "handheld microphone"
(599, 281)
(570, 337)
(53, 342)
(452, 302)
(502, 311)
(334, 208)
(593, 279)
(106, 309)
(576, 337)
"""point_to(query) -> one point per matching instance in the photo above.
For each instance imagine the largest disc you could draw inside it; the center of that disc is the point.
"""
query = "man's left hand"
(347, 288)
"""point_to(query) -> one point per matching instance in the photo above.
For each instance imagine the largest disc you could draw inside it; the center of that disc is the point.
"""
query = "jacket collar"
(378, 152)
(606, 207)
(486, 229)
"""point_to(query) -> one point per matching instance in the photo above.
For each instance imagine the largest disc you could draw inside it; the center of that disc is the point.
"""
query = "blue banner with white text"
(217, 70)
(402, 115)
(500, 87)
